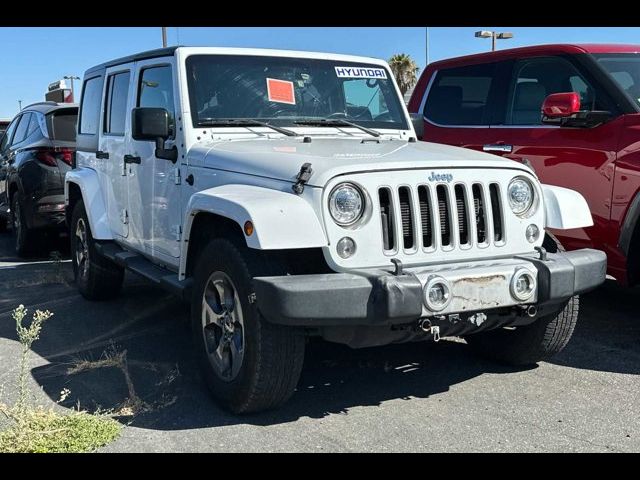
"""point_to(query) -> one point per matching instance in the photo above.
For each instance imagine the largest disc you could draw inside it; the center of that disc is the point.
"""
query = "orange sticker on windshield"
(280, 91)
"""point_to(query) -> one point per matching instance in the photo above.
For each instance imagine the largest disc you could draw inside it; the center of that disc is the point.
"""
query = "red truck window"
(624, 68)
(534, 79)
(460, 96)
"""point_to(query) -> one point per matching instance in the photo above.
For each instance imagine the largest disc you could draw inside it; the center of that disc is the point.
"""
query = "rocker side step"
(143, 267)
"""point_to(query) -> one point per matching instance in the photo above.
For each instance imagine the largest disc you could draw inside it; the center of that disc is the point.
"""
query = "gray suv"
(36, 151)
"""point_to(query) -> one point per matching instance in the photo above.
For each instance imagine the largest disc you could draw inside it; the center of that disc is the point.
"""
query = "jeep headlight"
(346, 204)
(521, 195)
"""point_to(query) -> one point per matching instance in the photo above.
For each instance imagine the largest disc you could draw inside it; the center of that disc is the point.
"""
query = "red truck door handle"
(497, 148)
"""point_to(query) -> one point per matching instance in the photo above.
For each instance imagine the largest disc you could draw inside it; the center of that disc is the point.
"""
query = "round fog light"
(532, 233)
(523, 284)
(437, 294)
(346, 247)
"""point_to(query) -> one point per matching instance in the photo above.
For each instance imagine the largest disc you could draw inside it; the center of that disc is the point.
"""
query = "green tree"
(405, 70)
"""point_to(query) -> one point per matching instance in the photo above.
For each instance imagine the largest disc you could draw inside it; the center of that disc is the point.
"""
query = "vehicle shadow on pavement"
(151, 328)
(51, 244)
(607, 336)
(158, 386)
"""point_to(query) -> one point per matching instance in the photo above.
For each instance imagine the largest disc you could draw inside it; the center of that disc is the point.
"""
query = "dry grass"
(112, 358)
(39, 429)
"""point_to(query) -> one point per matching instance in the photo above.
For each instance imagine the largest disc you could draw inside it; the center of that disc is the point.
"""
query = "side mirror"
(153, 124)
(560, 105)
(564, 109)
(418, 124)
(149, 123)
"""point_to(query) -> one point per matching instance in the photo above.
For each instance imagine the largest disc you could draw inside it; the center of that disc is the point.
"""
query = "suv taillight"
(48, 156)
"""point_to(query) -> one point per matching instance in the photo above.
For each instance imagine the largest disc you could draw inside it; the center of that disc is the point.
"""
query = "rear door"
(459, 104)
(578, 158)
(115, 122)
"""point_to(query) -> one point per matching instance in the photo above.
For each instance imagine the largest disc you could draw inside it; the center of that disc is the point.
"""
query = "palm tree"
(405, 70)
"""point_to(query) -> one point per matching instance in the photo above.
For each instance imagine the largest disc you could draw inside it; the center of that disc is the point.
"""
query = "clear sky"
(34, 57)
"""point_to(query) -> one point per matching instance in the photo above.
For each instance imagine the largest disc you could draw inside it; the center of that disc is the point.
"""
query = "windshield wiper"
(338, 122)
(243, 122)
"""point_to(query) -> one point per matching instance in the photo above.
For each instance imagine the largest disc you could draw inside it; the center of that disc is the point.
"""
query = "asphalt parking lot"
(416, 397)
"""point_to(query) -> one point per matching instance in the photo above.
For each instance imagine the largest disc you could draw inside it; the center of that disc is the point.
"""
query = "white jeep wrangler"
(283, 195)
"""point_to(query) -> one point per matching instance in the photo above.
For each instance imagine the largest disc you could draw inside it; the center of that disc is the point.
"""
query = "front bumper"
(378, 297)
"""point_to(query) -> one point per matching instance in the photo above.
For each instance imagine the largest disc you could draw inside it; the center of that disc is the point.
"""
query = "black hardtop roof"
(158, 52)
(46, 107)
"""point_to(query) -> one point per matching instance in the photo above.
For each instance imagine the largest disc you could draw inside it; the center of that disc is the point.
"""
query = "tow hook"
(542, 252)
(425, 326)
(398, 267)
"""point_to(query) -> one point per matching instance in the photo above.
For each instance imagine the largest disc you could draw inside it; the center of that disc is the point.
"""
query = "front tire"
(97, 277)
(529, 344)
(535, 342)
(248, 363)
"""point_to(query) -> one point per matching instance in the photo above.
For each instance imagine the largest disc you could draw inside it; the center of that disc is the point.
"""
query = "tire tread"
(280, 350)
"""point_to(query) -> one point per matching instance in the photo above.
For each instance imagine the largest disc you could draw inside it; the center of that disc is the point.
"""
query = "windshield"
(624, 68)
(284, 91)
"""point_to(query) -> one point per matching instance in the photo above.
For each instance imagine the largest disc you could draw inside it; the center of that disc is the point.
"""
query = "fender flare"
(565, 208)
(629, 224)
(281, 220)
(87, 180)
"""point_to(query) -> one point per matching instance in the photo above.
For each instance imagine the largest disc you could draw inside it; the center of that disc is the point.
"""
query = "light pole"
(164, 36)
(72, 78)
(427, 45)
(20, 105)
(494, 36)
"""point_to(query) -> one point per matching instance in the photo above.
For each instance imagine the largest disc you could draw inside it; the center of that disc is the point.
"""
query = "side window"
(156, 90)
(535, 79)
(116, 103)
(460, 96)
(33, 125)
(21, 131)
(6, 139)
(90, 108)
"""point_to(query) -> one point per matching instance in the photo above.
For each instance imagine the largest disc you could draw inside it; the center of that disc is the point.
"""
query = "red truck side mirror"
(561, 105)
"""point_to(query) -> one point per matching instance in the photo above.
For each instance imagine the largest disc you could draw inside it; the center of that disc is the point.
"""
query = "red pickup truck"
(571, 112)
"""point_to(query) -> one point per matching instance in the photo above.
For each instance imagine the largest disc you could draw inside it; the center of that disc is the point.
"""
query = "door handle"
(497, 147)
(132, 159)
(101, 154)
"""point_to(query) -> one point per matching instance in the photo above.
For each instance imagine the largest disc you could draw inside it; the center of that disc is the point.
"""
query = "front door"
(154, 195)
(115, 144)
(581, 159)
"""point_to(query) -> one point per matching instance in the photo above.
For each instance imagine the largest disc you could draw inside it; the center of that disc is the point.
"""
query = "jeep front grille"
(446, 216)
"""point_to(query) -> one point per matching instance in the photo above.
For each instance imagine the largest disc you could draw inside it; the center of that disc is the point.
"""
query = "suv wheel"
(98, 278)
(248, 364)
(535, 342)
(23, 235)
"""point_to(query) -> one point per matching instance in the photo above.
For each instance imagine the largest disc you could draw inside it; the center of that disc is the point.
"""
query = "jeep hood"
(281, 158)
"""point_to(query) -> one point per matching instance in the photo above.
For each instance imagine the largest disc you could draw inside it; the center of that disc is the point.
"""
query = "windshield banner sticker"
(360, 72)
(280, 91)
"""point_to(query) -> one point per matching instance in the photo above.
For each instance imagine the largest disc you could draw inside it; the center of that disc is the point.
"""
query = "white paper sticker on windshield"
(360, 72)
